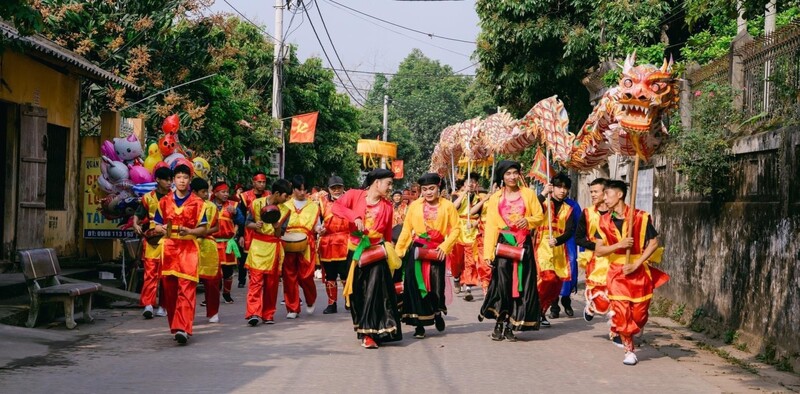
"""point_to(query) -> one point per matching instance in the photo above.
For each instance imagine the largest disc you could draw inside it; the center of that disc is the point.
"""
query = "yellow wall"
(33, 82)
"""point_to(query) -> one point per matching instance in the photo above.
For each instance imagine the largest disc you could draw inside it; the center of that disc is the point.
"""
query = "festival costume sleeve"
(408, 227)
(532, 207)
(343, 207)
(492, 229)
(569, 231)
(581, 238)
(450, 224)
(387, 228)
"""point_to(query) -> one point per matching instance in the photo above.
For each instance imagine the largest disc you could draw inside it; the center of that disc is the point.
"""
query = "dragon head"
(645, 93)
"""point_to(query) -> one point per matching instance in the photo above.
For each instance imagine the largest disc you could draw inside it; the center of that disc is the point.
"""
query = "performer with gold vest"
(228, 251)
(484, 270)
(298, 267)
(208, 268)
(430, 231)
(630, 285)
(333, 243)
(246, 235)
(181, 218)
(265, 260)
(151, 257)
(465, 257)
(596, 267)
(511, 213)
(549, 244)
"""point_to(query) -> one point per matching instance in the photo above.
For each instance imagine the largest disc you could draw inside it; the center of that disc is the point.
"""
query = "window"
(57, 150)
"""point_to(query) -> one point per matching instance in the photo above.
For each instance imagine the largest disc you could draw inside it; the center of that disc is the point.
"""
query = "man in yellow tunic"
(466, 254)
(208, 268)
(298, 268)
(266, 255)
(432, 224)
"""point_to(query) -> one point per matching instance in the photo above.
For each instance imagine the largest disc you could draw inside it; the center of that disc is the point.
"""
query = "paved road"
(123, 352)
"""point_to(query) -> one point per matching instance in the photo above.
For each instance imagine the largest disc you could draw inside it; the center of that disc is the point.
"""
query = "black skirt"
(522, 312)
(418, 310)
(373, 304)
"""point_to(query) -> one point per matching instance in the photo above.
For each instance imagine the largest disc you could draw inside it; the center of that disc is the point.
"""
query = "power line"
(335, 52)
(251, 22)
(401, 34)
(456, 73)
(431, 35)
(325, 52)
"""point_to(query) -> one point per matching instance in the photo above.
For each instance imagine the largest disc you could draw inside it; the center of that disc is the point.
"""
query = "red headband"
(220, 187)
(260, 177)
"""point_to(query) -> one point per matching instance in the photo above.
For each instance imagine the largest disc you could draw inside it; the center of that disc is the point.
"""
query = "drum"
(372, 255)
(510, 252)
(152, 237)
(426, 254)
(270, 214)
(294, 242)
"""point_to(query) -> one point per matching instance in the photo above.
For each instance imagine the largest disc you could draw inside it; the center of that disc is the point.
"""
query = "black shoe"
(544, 321)
(554, 314)
(587, 316)
(555, 310)
(253, 321)
(438, 320)
(203, 304)
(181, 337)
(509, 334)
(457, 286)
(227, 298)
(497, 334)
(346, 307)
(468, 297)
(567, 303)
(330, 309)
(419, 332)
(241, 285)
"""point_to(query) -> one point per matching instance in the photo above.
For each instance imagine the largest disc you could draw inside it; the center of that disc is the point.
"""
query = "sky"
(366, 44)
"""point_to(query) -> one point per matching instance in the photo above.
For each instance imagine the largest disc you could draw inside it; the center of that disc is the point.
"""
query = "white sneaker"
(291, 315)
(161, 312)
(630, 358)
(214, 319)
(318, 274)
(148, 312)
(310, 309)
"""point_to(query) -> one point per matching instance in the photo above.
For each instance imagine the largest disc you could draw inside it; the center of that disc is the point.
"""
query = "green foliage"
(702, 153)
(22, 15)
(730, 336)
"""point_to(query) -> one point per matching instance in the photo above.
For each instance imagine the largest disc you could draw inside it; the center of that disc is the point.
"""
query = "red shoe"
(369, 343)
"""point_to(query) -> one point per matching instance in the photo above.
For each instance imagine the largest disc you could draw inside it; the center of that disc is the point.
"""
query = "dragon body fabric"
(627, 120)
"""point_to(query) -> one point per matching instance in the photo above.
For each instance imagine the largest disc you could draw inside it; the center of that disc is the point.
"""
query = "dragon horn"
(629, 61)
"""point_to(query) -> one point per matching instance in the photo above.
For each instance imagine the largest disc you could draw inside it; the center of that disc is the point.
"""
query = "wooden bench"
(41, 270)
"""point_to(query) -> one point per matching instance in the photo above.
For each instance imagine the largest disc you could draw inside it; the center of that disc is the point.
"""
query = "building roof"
(52, 53)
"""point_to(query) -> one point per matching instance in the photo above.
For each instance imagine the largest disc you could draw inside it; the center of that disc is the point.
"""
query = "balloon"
(98, 191)
(171, 124)
(153, 157)
(201, 167)
(139, 174)
(159, 165)
(144, 188)
(117, 171)
(128, 149)
(171, 158)
(167, 144)
(104, 185)
(107, 149)
(183, 161)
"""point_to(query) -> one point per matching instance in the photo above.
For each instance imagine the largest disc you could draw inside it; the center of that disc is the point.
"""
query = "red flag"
(397, 169)
(303, 127)
(539, 168)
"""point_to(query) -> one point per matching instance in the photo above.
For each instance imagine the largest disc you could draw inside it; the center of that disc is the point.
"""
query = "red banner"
(303, 128)
(539, 169)
(397, 169)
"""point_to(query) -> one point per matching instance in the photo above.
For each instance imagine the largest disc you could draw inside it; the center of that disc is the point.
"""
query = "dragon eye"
(627, 82)
(656, 87)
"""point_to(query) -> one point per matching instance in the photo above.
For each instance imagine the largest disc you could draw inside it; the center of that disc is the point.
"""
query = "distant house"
(40, 187)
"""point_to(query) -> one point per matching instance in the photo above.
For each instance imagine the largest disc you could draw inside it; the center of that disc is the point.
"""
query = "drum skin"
(294, 242)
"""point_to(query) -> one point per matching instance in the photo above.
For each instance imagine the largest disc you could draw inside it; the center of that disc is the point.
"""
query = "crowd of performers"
(393, 252)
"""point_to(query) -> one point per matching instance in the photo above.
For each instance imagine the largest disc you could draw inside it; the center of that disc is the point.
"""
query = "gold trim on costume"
(371, 331)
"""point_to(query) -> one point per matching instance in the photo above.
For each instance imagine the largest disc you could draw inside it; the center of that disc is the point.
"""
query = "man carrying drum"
(333, 243)
(511, 213)
(301, 250)
(432, 223)
(265, 259)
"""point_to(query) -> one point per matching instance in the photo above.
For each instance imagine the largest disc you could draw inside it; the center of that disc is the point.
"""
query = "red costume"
(298, 268)
(180, 258)
(630, 294)
(264, 263)
(333, 249)
(151, 257)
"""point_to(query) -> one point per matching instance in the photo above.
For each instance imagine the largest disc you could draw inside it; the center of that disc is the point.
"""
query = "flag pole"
(549, 213)
(629, 217)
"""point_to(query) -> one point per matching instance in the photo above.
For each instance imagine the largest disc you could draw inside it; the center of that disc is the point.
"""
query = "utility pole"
(277, 80)
(769, 27)
(385, 125)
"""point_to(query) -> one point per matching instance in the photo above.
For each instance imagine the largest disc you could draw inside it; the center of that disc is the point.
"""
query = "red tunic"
(333, 243)
(180, 253)
(227, 230)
